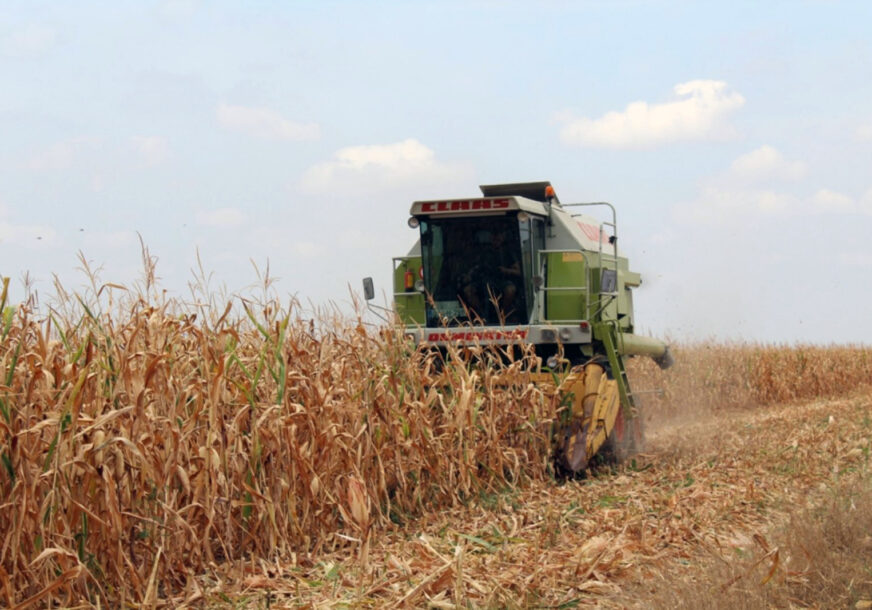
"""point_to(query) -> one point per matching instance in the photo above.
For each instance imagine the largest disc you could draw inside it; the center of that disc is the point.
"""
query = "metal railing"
(604, 299)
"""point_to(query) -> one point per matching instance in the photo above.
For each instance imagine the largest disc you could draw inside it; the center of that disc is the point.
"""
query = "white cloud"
(154, 150)
(766, 163)
(264, 123)
(222, 217)
(717, 205)
(699, 112)
(60, 155)
(865, 203)
(745, 192)
(32, 41)
(864, 132)
(380, 165)
(827, 201)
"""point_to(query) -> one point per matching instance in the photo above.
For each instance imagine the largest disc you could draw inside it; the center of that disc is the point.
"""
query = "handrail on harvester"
(614, 242)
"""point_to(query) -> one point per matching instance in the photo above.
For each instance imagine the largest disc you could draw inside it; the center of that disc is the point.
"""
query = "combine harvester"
(517, 266)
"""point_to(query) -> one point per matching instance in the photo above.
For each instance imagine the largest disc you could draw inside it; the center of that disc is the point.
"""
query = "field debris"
(614, 539)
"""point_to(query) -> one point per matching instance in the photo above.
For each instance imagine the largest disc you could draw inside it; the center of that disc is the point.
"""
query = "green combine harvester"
(517, 265)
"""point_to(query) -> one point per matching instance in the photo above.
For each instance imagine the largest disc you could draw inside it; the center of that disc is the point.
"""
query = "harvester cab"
(517, 265)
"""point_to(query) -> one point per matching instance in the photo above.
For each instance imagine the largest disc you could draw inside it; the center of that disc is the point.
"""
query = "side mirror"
(368, 289)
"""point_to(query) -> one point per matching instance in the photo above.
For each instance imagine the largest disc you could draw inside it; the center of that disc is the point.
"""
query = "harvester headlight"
(413, 222)
(565, 334)
(419, 286)
(552, 361)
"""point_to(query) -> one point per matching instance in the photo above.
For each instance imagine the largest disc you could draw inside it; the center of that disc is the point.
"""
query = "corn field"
(144, 440)
(142, 444)
(709, 376)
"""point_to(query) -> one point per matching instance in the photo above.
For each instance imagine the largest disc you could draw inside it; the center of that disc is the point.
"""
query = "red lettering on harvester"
(486, 335)
(465, 205)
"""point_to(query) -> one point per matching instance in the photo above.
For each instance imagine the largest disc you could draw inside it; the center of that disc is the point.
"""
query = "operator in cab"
(495, 278)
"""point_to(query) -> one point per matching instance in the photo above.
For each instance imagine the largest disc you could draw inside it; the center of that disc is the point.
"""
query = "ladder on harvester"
(608, 333)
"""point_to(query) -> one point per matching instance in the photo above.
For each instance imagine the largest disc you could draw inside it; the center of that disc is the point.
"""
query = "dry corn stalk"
(141, 442)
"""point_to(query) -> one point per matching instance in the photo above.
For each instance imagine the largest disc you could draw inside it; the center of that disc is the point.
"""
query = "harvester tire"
(625, 440)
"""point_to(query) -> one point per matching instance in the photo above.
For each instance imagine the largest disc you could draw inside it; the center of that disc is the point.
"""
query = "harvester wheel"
(625, 440)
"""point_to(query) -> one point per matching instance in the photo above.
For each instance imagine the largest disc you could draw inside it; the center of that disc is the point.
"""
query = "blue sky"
(735, 141)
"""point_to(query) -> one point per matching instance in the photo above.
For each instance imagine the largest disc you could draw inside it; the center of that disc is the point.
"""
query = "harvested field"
(160, 453)
(701, 514)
